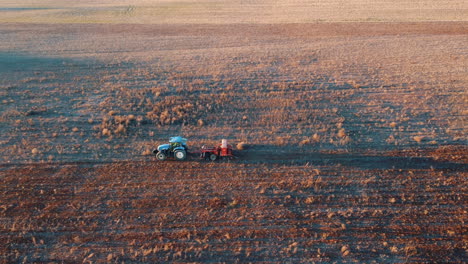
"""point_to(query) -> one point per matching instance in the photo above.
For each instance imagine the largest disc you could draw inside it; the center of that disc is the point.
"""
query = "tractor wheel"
(213, 157)
(160, 156)
(180, 155)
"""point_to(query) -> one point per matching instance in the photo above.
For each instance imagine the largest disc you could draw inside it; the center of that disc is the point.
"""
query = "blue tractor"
(176, 148)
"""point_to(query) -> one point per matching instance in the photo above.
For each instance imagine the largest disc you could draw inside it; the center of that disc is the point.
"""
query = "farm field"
(354, 133)
(230, 12)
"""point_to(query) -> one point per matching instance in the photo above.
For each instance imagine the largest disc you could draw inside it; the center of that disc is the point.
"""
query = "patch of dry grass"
(371, 91)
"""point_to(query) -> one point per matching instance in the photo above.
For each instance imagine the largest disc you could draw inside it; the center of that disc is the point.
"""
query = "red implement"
(221, 151)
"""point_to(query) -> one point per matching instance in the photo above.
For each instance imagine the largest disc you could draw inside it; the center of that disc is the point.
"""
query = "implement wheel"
(213, 157)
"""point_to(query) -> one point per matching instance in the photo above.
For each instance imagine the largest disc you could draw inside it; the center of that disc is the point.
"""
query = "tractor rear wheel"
(160, 156)
(180, 155)
(213, 157)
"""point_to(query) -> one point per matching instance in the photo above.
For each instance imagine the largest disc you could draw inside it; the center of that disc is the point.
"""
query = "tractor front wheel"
(180, 155)
(160, 156)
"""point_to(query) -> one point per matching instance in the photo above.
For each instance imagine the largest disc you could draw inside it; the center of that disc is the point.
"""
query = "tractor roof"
(180, 140)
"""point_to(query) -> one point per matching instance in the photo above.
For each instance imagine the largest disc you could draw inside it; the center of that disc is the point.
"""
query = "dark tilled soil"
(331, 208)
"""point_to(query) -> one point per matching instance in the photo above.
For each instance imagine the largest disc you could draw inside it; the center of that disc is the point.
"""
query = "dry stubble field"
(356, 134)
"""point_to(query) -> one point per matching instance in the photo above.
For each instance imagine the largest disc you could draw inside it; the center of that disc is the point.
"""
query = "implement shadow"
(271, 154)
